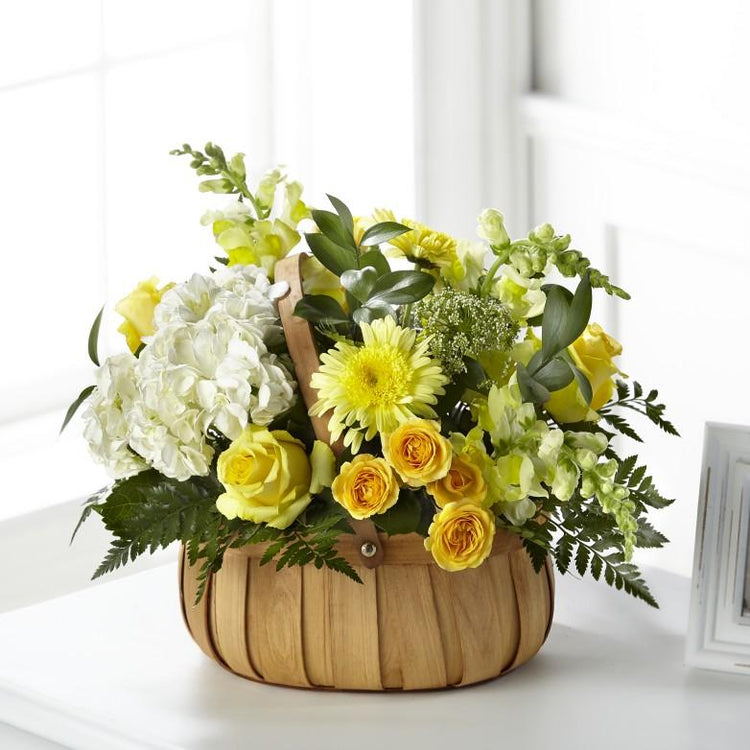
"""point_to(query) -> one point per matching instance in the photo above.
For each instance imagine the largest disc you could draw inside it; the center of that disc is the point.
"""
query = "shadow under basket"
(409, 626)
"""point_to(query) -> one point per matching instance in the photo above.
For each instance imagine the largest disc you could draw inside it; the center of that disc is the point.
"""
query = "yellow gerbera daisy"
(423, 245)
(377, 386)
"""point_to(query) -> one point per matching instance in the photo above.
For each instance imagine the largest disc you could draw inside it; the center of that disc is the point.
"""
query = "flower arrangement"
(461, 397)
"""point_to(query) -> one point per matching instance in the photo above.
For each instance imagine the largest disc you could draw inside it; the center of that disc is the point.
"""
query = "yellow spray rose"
(464, 481)
(267, 476)
(138, 310)
(461, 536)
(365, 486)
(592, 353)
(418, 452)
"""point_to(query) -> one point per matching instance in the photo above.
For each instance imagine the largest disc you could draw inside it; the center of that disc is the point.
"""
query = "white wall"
(639, 148)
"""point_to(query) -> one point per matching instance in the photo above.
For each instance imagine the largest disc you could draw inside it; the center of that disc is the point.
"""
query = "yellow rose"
(463, 482)
(461, 536)
(418, 452)
(267, 477)
(365, 486)
(592, 353)
(138, 310)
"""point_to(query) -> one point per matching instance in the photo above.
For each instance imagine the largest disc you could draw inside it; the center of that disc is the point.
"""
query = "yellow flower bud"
(365, 486)
(138, 310)
(461, 536)
(266, 477)
(418, 452)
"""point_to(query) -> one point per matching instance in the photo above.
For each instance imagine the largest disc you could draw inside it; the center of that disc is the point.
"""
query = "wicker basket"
(409, 626)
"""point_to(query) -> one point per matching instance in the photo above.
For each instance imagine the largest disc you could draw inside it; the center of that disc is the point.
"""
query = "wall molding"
(716, 157)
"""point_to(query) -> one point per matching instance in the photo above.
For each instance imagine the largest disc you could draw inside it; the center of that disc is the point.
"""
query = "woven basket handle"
(304, 354)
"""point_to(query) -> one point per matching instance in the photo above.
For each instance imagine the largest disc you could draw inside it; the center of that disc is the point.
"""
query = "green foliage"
(383, 232)
(403, 517)
(312, 540)
(94, 338)
(631, 397)
(564, 320)
(373, 290)
(320, 308)
(578, 533)
(150, 511)
(73, 408)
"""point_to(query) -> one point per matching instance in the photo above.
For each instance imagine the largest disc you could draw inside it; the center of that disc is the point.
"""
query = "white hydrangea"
(208, 364)
(105, 427)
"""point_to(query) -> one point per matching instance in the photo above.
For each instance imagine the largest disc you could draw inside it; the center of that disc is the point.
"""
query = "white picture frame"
(719, 625)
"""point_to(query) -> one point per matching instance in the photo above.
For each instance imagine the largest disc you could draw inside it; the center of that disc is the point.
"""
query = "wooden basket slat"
(316, 625)
(533, 599)
(276, 624)
(230, 605)
(405, 597)
(355, 647)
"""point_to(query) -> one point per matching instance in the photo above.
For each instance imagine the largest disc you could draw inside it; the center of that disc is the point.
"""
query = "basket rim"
(400, 549)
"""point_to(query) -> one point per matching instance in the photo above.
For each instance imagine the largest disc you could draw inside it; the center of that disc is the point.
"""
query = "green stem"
(406, 314)
(490, 277)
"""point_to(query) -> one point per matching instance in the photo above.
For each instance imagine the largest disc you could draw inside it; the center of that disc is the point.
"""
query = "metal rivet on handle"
(368, 549)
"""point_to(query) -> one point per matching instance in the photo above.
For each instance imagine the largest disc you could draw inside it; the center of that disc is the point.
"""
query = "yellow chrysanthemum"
(377, 386)
(424, 245)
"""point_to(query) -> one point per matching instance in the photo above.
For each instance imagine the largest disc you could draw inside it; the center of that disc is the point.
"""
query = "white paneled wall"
(638, 147)
(93, 95)
(88, 116)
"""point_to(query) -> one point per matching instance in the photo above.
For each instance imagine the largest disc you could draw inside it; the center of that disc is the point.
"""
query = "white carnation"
(105, 426)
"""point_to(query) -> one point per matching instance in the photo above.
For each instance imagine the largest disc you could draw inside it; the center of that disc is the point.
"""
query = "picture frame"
(719, 623)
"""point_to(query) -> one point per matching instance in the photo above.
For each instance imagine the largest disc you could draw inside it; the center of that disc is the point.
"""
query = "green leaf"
(335, 258)
(359, 282)
(89, 506)
(331, 226)
(73, 408)
(373, 310)
(94, 338)
(320, 308)
(375, 259)
(578, 313)
(402, 287)
(624, 469)
(384, 231)
(554, 323)
(637, 476)
(564, 553)
(596, 567)
(344, 213)
(582, 559)
(537, 554)
(621, 426)
(583, 384)
(647, 536)
(403, 517)
(531, 391)
(556, 374)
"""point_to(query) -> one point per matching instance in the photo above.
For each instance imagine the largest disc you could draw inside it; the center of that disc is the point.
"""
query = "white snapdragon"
(105, 427)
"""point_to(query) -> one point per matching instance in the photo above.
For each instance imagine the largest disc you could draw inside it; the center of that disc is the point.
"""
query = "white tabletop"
(113, 667)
